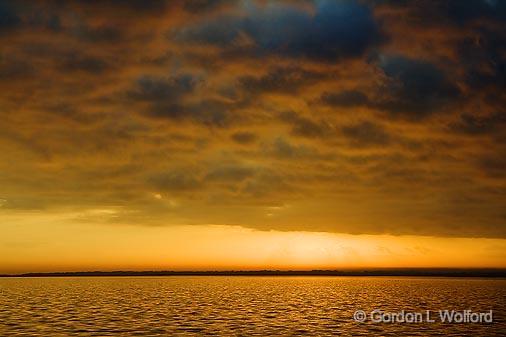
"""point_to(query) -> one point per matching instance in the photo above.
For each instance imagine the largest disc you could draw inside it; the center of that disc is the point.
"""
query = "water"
(241, 306)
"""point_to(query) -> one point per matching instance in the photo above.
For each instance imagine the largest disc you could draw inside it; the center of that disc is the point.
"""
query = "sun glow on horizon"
(87, 246)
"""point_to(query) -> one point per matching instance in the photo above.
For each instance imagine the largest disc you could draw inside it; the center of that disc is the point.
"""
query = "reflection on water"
(240, 306)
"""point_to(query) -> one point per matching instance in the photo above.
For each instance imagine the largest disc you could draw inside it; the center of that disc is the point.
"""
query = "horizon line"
(416, 271)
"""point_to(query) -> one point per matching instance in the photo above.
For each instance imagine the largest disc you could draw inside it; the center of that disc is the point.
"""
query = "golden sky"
(252, 134)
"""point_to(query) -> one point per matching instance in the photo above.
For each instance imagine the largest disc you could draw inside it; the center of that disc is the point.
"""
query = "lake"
(250, 306)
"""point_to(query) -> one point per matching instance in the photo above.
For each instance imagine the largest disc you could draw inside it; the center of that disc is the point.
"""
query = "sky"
(252, 134)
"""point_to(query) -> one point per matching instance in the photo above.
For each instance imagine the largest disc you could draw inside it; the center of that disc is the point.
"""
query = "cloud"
(478, 125)
(14, 69)
(173, 98)
(337, 29)
(264, 184)
(361, 122)
(8, 17)
(231, 172)
(451, 11)
(306, 127)
(165, 96)
(155, 89)
(346, 98)
(175, 181)
(199, 6)
(244, 137)
(463, 12)
(494, 165)
(366, 134)
(90, 64)
(280, 79)
(282, 149)
(415, 89)
(98, 34)
(484, 58)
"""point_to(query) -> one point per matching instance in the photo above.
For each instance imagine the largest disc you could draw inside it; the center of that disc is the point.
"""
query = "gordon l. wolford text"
(427, 316)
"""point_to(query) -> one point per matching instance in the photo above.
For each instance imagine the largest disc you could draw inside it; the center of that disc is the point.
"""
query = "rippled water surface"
(241, 306)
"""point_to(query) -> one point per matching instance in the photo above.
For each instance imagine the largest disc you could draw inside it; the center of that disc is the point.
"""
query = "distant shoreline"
(419, 272)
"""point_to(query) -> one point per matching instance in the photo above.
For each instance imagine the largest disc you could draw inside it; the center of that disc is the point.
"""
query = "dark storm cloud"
(481, 47)
(139, 6)
(478, 125)
(79, 62)
(416, 88)
(13, 69)
(154, 89)
(25, 14)
(413, 90)
(78, 19)
(494, 165)
(199, 6)
(244, 137)
(461, 12)
(482, 52)
(195, 7)
(347, 98)
(8, 16)
(281, 148)
(280, 79)
(70, 112)
(457, 12)
(485, 58)
(167, 110)
(305, 127)
(99, 34)
(338, 29)
(464, 11)
(212, 113)
(163, 94)
(165, 99)
(366, 133)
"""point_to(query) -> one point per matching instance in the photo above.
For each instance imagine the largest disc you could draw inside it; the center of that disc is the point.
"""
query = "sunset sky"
(252, 134)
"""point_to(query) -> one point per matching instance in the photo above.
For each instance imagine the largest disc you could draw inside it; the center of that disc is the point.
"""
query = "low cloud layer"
(323, 115)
